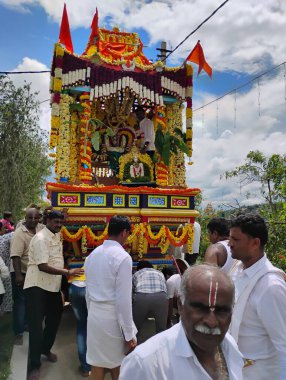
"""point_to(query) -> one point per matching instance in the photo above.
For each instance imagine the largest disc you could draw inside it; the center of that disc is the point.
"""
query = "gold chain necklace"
(221, 365)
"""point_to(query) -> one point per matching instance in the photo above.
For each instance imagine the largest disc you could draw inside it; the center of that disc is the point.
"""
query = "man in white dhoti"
(111, 332)
(259, 317)
(198, 347)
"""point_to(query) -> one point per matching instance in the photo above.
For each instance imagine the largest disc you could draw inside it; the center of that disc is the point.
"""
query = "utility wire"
(238, 88)
(198, 27)
(24, 72)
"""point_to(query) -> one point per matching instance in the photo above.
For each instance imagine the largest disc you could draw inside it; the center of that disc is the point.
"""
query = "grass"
(6, 345)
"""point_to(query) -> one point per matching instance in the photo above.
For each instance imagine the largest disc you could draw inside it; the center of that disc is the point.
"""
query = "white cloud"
(242, 36)
(220, 145)
(39, 83)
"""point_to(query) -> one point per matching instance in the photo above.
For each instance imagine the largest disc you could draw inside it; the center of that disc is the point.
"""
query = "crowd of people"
(224, 318)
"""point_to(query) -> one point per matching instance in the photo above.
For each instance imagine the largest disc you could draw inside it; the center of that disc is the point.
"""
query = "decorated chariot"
(118, 143)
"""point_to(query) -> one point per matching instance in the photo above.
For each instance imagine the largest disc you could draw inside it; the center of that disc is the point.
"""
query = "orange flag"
(65, 34)
(197, 56)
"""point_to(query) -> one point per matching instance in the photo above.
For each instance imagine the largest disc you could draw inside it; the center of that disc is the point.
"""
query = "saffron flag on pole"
(197, 56)
(65, 34)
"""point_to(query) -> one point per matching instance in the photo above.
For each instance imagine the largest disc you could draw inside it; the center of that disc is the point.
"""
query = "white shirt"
(108, 271)
(147, 128)
(179, 252)
(45, 248)
(169, 356)
(262, 332)
(173, 285)
(20, 244)
(197, 238)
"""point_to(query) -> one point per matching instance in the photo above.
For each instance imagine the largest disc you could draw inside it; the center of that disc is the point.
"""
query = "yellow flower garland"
(63, 148)
(85, 150)
(74, 147)
(159, 235)
(138, 237)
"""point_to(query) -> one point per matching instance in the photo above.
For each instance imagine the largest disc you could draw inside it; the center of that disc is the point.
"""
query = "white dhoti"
(105, 344)
(262, 369)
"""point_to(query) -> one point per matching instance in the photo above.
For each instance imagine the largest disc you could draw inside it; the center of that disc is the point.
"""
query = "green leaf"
(76, 107)
(95, 140)
(166, 149)
(159, 140)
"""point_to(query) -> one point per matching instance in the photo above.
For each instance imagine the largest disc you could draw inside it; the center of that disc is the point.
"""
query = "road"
(65, 348)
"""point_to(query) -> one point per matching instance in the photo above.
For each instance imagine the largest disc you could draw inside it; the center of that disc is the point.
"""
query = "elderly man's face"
(206, 313)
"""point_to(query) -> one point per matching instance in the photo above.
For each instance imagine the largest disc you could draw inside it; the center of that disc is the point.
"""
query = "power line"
(198, 27)
(24, 72)
(239, 87)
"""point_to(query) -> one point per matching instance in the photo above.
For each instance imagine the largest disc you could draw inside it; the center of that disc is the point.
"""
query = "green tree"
(24, 163)
(270, 172)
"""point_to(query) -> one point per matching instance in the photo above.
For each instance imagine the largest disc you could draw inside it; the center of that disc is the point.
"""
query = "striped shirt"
(149, 280)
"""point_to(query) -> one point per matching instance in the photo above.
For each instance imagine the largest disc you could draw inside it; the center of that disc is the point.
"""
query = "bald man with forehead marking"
(198, 347)
(205, 306)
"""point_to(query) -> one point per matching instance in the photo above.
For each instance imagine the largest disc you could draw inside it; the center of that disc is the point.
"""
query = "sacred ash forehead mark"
(213, 294)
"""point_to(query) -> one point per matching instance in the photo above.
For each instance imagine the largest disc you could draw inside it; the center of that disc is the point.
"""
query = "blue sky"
(36, 34)
(242, 40)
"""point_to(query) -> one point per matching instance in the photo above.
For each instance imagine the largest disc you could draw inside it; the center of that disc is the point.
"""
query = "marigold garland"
(163, 238)
(189, 113)
(161, 169)
(85, 144)
(177, 169)
(56, 88)
(74, 147)
(50, 186)
(84, 243)
(63, 148)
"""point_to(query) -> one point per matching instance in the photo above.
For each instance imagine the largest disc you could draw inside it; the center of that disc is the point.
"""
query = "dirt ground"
(65, 348)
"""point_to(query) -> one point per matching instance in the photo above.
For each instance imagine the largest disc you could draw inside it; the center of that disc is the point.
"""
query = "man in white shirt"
(182, 251)
(191, 257)
(19, 254)
(111, 332)
(173, 287)
(147, 134)
(259, 316)
(198, 347)
(42, 291)
(218, 253)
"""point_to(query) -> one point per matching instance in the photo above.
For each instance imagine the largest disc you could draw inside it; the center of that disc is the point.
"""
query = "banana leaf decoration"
(76, 107)
(170, 143)
(95, 138)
